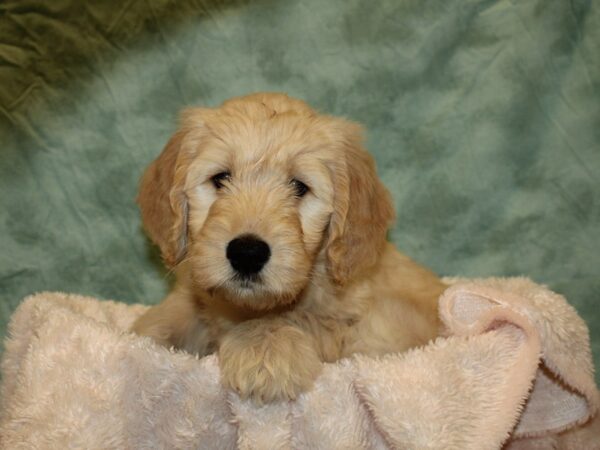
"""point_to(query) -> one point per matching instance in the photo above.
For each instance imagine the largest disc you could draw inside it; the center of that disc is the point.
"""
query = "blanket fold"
(513, 369)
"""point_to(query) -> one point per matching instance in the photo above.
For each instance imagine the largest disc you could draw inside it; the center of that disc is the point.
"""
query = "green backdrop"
(484, 118)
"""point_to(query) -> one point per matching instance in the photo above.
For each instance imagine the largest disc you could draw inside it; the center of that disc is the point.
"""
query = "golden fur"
(333, 285)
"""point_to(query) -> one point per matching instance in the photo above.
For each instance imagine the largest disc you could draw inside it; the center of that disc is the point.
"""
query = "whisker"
(172, 269)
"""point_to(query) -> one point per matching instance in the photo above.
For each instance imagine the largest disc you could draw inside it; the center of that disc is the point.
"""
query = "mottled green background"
(484, 117)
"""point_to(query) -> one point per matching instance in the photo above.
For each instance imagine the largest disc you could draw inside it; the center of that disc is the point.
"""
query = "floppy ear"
(162, 197)
(362, 214)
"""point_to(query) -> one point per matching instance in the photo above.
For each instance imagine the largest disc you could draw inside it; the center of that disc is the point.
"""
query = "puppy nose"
(248, 254)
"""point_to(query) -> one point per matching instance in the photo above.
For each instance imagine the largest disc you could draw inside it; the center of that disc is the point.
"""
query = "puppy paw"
(268, 360)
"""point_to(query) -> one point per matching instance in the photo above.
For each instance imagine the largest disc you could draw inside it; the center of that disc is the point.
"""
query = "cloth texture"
(514, 368)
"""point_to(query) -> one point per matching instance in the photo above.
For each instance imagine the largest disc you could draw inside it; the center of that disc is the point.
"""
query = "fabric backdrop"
(484, 118)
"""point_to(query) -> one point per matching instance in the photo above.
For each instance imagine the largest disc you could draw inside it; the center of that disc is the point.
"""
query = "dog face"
(255, 193)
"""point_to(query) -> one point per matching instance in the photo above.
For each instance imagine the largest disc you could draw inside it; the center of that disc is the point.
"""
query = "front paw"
(268, 361)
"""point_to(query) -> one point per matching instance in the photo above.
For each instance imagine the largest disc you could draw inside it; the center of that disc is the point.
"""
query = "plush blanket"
(514, 368)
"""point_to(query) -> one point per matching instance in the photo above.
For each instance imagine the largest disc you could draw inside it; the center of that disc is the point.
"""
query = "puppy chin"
(272, 289)
(253, 295)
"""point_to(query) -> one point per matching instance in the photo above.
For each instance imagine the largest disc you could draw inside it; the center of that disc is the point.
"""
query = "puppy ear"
(162, 197)
(362, 214)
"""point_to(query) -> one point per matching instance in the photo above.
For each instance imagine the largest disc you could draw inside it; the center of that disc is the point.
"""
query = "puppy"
(274, 222)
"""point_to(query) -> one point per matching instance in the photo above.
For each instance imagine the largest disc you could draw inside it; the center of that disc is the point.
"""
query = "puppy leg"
(176, 323)
(268, 359)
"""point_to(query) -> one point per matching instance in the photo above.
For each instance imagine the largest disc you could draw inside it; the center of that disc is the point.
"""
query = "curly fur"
(333, 285)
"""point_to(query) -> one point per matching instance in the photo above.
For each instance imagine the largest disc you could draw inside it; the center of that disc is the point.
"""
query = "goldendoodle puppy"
(274, 221)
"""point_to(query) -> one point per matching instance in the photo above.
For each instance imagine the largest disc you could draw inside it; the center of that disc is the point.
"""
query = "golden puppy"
(274, 222)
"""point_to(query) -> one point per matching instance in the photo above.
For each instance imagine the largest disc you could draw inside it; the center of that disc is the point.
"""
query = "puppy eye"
(218, 179)
(300, 189)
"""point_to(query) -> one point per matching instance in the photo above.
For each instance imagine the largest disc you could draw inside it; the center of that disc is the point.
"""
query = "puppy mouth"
(237, 284)
(249, 281)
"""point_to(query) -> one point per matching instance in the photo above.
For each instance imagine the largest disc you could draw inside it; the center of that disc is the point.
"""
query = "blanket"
(513, 368)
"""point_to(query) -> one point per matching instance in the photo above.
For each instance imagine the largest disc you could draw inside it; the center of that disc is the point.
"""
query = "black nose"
(248, 254)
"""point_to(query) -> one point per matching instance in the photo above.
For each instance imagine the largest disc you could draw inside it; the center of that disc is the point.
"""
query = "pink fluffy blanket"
(514, 369)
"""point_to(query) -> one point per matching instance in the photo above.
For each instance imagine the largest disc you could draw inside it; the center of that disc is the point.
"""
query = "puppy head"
(255, 193)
